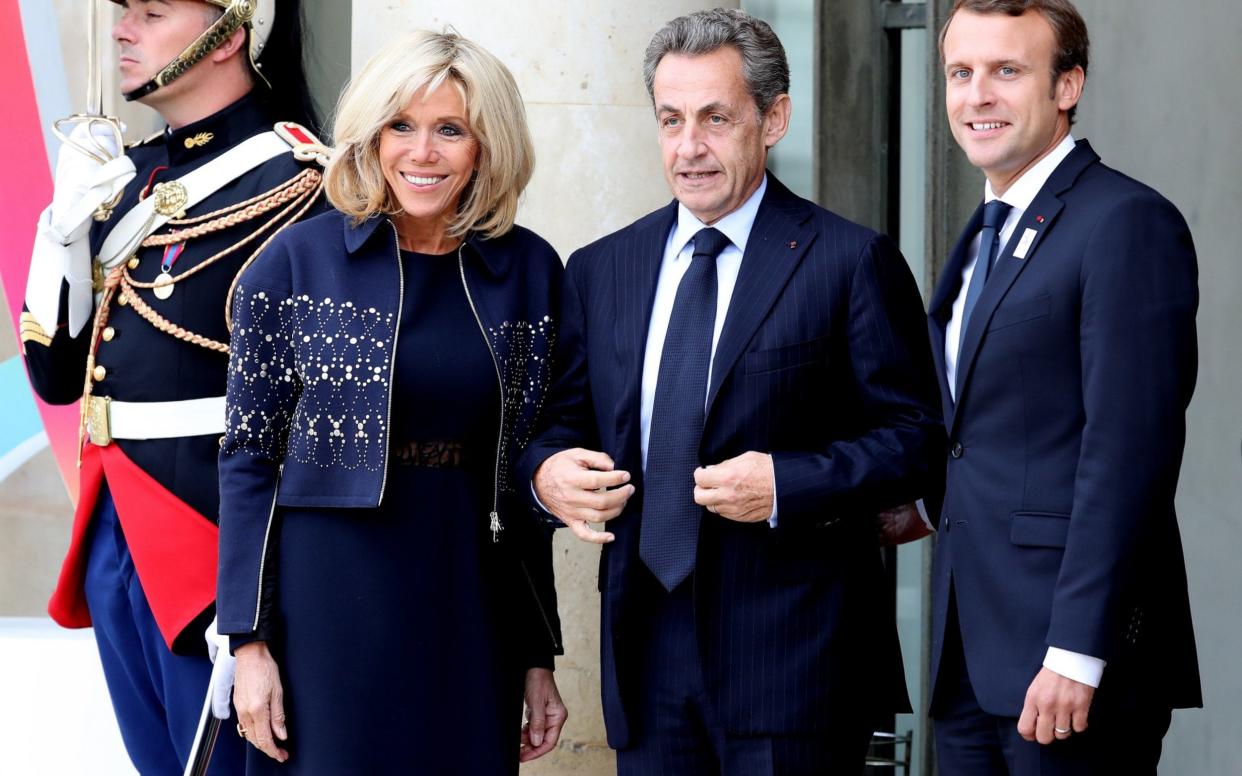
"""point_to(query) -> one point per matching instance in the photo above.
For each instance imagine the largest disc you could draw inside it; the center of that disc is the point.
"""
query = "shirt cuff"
(922, 508)
(1083, 669)
(535, 496)
(772, 519)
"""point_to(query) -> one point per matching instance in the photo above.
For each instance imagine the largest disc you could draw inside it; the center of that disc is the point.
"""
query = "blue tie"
(670, 523)
(994, 214)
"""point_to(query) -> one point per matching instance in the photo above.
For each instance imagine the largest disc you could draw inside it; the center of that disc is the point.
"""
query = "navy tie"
(670, 523)
(994, 214)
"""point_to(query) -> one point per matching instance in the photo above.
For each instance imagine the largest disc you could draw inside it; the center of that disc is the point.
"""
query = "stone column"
(579, 66)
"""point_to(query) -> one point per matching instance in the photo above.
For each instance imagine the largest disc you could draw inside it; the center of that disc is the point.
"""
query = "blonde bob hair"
(354, 181)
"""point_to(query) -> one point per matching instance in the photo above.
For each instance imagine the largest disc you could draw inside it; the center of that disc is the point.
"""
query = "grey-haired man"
(749, 377)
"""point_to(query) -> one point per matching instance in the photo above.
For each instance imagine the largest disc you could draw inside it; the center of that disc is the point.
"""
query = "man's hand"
(545, 715)
(574, 486)
(740, 488)
(259, 699)
(1055, 708)
(900, 525)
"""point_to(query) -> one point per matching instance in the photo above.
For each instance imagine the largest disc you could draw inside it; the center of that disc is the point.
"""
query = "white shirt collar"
(1022, 193)
(736, 226)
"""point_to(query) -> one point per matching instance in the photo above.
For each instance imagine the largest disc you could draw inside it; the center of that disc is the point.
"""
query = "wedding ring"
(1060, 731)
(241, 731)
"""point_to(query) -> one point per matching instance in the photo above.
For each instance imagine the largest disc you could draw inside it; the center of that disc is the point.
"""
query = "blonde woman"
(389, 600)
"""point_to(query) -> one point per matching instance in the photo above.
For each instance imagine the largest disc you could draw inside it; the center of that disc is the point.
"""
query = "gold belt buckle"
(98, 420)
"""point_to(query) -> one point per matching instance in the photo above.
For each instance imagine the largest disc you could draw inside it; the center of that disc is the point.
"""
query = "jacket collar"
(358, 235)
(219, 131)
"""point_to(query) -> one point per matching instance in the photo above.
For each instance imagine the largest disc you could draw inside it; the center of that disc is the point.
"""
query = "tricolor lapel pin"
(793, 244)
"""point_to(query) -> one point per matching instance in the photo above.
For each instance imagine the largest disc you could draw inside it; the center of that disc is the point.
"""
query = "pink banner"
(25, 188)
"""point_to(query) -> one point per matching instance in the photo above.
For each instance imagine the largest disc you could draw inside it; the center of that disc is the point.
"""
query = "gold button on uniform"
(122, 300)
(133, 262)
(108, 334)
(99, 373)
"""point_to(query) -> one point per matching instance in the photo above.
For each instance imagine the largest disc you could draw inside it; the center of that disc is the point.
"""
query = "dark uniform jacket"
(142, 363)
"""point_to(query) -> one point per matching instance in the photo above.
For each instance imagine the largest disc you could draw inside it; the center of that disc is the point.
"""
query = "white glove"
(61, 249)
(221, 672)
(72, 200)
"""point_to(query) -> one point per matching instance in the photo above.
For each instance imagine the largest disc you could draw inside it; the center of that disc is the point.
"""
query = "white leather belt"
(108, 419)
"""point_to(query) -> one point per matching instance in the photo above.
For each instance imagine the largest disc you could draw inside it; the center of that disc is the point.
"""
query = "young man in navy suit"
(1064, 335)
(745, 383)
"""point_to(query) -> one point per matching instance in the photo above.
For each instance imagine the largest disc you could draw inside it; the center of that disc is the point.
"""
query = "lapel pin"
(1039, 219)
(793, 244)
(1024, 245)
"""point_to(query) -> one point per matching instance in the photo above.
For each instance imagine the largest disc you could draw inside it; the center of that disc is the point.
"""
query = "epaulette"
(306, 147)
(149, 138)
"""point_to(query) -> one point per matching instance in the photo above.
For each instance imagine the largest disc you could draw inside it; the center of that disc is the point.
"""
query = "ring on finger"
(241, 731)
(1061, 731)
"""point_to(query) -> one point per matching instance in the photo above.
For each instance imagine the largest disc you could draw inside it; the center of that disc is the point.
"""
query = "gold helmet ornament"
(255, 15)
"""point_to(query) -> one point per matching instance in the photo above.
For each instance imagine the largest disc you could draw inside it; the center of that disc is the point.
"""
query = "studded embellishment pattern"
(1136, 624)
(308, 379)
(523, 350)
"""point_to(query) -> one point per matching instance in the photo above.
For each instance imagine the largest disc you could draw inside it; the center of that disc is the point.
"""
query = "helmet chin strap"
(238, 14)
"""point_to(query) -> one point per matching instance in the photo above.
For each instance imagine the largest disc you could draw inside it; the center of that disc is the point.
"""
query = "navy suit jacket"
(823, 361)
(1077, 365)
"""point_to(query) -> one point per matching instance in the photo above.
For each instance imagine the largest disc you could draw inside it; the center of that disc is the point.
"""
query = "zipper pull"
(495, 526)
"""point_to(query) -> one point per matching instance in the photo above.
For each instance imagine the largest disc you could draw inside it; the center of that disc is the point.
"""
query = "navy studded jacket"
(310, 375)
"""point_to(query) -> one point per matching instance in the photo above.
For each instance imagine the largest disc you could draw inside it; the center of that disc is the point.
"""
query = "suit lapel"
(636, 270)
(950, 284)
(778, 240)
(1039, 218)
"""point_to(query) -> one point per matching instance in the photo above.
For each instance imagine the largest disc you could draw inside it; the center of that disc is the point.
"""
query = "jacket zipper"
(271, 514)
(493, 518)
(392, 361)
(539, 602)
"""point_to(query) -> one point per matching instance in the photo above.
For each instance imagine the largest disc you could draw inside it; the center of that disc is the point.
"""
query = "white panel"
(57, 719)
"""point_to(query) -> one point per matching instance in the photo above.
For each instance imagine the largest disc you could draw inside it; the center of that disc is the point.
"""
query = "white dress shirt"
(678, 255)
(1080, 668)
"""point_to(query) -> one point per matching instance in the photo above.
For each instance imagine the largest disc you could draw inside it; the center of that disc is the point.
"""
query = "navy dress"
(388, 625)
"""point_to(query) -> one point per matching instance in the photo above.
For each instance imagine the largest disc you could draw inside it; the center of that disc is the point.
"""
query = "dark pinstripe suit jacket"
(824, 362)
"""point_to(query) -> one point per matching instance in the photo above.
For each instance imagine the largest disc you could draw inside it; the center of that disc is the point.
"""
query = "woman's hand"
(545, 715)
(260, 700)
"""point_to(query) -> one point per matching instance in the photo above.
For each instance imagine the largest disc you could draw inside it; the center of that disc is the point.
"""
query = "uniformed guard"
(126, 309)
